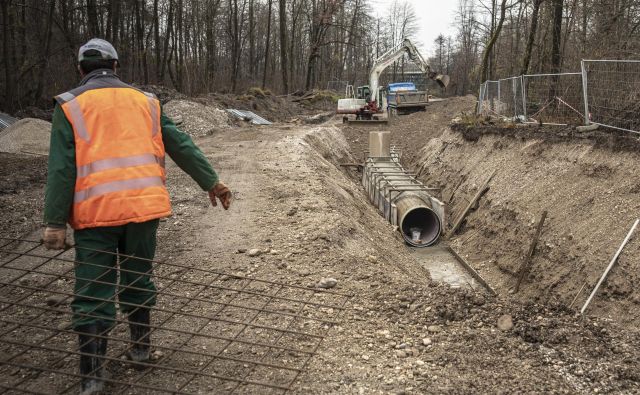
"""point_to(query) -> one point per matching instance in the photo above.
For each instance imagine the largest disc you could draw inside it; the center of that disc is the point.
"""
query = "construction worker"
(106, 179)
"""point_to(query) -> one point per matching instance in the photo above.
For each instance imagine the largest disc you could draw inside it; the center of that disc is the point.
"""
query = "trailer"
(404, 98)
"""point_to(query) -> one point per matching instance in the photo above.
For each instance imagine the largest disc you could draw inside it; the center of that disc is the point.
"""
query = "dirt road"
(404, 333)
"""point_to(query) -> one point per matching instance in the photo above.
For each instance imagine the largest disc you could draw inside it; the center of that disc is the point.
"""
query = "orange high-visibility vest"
(119, 156)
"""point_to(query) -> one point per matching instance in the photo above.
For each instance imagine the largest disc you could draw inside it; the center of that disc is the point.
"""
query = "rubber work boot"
(92, 351)
(139, 321)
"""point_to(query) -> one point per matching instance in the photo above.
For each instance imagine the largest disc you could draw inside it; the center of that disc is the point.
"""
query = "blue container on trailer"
(402, 87)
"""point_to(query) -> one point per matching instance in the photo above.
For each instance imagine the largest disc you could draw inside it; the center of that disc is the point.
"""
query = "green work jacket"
(61, 175)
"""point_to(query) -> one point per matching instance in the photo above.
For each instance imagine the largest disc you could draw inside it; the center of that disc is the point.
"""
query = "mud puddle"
(444, 268)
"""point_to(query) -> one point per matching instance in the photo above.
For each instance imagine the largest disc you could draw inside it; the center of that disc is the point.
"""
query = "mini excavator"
(368, 101)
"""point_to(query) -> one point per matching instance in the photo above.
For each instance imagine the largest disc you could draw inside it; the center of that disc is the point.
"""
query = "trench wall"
(590, 185)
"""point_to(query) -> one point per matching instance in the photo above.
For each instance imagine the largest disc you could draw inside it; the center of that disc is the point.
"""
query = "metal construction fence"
(612, 93)
(605, 92)
(337, 86)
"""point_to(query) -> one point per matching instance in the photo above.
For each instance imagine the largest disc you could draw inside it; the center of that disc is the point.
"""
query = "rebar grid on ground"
(211, 331)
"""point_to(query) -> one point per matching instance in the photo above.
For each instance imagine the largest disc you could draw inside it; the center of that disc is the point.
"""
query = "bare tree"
(283, 45)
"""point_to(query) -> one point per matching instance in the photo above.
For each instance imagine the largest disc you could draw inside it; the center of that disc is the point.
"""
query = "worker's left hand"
(54, 238)
(223, 193)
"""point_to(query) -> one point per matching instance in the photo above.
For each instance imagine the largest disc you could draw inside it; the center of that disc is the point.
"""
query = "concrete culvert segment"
(419, 224)
(401, 198)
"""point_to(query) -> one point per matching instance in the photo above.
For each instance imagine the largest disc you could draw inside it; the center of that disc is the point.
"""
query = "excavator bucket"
(442, 80)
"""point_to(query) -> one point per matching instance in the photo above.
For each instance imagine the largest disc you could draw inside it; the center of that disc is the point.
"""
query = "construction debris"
(248, 116)
(6, 120)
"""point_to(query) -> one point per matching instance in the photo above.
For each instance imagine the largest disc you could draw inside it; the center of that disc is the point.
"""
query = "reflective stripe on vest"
(155, 127)
(114, 163)
(76, 115)
(117, 186)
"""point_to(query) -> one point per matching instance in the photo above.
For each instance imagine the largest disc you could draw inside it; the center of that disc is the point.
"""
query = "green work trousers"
(102, 278)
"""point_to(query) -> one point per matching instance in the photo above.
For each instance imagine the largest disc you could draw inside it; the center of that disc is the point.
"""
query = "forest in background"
(201, 46)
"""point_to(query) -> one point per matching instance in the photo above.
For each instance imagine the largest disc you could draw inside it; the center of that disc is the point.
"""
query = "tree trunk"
(156, 39)
(266, 50)
(44, 61)
(252, 39)
(165, 50)
(556, 38)
(92, 19)
(484, 70)
(532, 36)
(283, 46)
(115, 22)
(8, 64)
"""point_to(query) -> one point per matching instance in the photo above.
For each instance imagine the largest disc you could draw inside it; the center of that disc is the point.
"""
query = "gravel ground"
(402, 333)
(28, 135)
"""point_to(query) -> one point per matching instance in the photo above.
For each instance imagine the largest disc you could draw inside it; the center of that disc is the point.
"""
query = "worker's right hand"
(223, 193)
(54, 238)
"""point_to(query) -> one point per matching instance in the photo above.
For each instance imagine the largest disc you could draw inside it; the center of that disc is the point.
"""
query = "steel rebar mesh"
(613, 93)
(554, 98)
(211, 332)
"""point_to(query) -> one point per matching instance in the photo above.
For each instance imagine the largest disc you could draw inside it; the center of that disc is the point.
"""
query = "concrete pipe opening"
(420, 227)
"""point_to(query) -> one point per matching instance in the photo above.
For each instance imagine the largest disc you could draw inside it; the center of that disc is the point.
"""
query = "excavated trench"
(587, 182)
(417, 217)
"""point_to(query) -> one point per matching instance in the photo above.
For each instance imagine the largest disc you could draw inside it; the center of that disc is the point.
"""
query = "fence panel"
(554, 97)
(337, 86)
(511, 98)
(612, 93)
(490, 97)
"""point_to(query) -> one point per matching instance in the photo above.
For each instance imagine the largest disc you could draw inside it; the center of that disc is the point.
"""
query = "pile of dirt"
(272, 108)
(22, 181)
(164, 93)
(195, 118)
(28, 135)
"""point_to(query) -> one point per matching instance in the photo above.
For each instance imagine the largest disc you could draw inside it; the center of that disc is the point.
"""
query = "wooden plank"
(608, 269)
(473, 271)
(524, 269)
(578, 294)
(463, 215)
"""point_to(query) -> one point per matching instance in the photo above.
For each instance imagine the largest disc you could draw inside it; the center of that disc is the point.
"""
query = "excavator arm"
(387, 59)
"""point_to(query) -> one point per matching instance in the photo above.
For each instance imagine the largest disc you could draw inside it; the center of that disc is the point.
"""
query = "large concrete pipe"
(419, 224)
(401, 198)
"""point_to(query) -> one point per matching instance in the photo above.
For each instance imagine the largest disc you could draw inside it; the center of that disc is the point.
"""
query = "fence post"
(584, 93)
(524, 97)
(514, 87)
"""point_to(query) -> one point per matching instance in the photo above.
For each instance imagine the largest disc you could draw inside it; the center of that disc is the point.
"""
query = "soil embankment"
(588, 182)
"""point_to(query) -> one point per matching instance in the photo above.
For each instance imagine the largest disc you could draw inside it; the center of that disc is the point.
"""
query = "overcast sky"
(434, 17)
